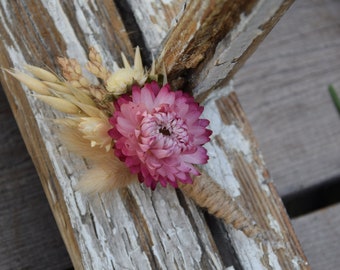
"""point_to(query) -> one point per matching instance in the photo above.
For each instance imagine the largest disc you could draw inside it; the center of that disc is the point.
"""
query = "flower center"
(164, 131)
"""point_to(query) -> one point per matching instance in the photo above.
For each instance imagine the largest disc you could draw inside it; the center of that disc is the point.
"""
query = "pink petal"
(124, 126)
(147, 98)
(199, 157)
(164, 97)
(161, 153)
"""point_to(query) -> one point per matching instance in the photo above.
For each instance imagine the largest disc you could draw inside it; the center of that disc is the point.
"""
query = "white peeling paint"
(247, 250)
(172, 240)
(81, 203)
(272, 258)
(234, 140)
(5, 8)
(87, 24)
(274, 224)
(154, 32)
(220, 169)
(61, 22)
(235, 44)
(218, 166)
(297, 262)
(231, 135)
(92, 31)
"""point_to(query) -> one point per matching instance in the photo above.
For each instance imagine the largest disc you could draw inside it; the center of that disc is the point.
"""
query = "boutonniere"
(132, 126)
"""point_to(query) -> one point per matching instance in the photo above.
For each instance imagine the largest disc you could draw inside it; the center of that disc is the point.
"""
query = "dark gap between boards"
(313, 198)
(134, 32)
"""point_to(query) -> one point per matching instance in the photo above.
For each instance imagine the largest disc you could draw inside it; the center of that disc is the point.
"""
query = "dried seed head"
(84, 82)
(94, 56)
(97, 92)
(42, 74)
(60, 104)
(59, 87)
(32, 83)
(98, 70)
(69, 122)
(95, 65)
(72, 72)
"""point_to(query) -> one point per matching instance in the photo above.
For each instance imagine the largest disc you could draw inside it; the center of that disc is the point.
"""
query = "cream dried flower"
(96, 129)
(123, 78)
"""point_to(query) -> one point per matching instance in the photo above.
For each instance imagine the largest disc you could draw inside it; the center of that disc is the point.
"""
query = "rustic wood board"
(319, 233)
(283, 90)
(91, 224)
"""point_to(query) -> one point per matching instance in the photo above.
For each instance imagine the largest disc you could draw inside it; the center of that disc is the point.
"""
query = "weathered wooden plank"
(283, 89)
(241, 34)
(96, 222)
(158, 16)
(237, 166)
(291, 22)
(133, 228)
(235, 161)
(319, 233)
(28, 230)
(236, 33)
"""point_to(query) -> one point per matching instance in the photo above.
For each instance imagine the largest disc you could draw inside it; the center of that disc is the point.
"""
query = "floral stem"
(208, 194)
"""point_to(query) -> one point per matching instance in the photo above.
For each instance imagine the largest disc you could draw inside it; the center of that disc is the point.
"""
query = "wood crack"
(144, 236)
(219, 246)
(133, 29)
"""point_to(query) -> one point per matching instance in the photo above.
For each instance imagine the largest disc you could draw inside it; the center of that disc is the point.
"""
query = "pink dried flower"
(159, 135)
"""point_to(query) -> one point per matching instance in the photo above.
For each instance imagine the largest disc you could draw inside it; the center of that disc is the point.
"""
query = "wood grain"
(319, 234)
(283, 90)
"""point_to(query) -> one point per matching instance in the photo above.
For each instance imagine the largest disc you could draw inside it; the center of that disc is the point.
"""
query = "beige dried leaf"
(138, 65)
(125, 61)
